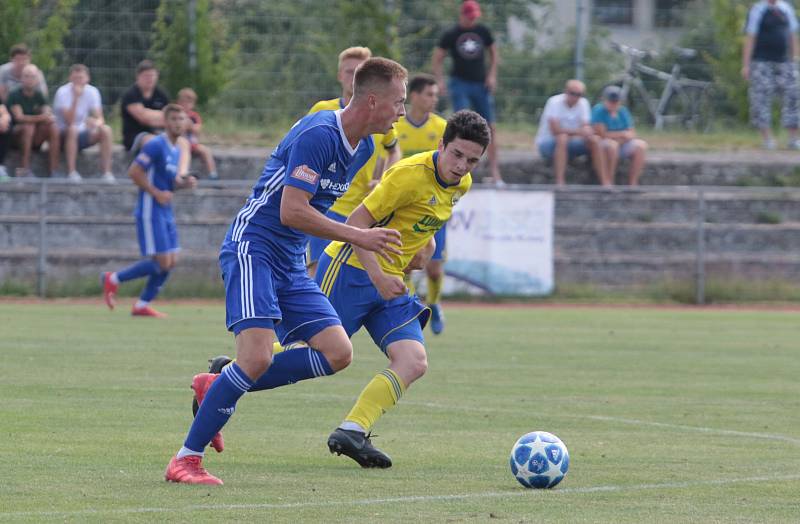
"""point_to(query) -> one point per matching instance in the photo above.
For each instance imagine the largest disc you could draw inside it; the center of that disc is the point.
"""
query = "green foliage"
(41, 24)
(174, 37)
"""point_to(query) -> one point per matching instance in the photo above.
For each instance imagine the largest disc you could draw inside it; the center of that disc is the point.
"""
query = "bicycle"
(683, 100)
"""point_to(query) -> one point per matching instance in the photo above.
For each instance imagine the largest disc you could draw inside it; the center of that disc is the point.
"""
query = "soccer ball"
(539, 460)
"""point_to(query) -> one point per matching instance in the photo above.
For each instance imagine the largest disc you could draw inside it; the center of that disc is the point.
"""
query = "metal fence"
(693, 244)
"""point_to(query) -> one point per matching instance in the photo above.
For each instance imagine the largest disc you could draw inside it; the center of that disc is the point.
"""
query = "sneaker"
(74, 176)
(109, 290)
(437, 319)
(189, 470)
(147, 311)
(4, 174)
(108, 178)
(200, 384)
(213, 175)
(22, 172)
(358, 447)
(216, 364)
(769, 144)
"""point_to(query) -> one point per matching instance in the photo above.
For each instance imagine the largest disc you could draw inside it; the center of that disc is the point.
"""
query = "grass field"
(670, 415)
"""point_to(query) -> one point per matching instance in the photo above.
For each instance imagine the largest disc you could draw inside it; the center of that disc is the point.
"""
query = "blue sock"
(293, 365)
(217, 407)
(153, 286)
(142, 268)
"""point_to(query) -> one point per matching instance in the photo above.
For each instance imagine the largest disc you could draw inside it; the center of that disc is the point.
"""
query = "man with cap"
(613, 123)
(471, 84)
(565, 133)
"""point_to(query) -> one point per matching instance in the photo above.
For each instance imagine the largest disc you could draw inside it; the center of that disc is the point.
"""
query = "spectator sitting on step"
(565, 133)
(614, 124)
(34, 122)
(79, 114)
(11, 72)
(141, 107)
(187, 99)
(5, 140)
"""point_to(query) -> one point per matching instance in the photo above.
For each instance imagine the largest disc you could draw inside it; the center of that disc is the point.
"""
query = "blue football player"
(268, 293)
(155, 171)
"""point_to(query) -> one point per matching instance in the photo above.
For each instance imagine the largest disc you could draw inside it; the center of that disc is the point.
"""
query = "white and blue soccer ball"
(539, 460)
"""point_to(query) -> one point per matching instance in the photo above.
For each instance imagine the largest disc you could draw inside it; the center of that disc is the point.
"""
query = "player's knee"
(418, 367)
(340, 356)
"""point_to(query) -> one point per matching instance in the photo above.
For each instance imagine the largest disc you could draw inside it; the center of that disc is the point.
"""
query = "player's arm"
(297, 213)
(491, 76)
(388, 286)
(422, 257)
(139, 177)
(436, 66)
(185, 157)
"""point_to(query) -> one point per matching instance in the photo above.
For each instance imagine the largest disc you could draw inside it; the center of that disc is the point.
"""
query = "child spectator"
(187, 99)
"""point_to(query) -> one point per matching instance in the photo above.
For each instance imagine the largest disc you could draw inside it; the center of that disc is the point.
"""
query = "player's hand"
(163, 197)
(390, 287)
(491, 83)
(188, 182)
(421, 258)
(384, 242)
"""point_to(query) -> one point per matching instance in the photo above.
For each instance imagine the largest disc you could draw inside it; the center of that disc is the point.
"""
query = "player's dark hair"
(172, 108)
(376, 73)
(467, 125)
(19, 49)
(419, 82)
(145, 65)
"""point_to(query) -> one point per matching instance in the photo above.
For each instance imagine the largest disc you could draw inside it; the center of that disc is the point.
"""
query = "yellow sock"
(434, 290)
(377, 398)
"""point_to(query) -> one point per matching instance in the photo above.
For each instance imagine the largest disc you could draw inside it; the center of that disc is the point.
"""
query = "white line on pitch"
(409, 499)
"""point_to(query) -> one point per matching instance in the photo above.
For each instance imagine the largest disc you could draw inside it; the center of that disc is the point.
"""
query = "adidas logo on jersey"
(432, 201)
(332, 167)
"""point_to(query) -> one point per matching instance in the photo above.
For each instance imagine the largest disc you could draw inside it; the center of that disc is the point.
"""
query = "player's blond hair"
(361, 53)
(377, 73)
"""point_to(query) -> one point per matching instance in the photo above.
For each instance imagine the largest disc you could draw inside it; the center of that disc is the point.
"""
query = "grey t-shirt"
(11, 82)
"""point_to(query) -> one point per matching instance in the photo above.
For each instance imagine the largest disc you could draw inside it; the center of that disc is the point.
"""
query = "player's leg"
(208, 159)
(70, 137)
(611, 151)
(23, 138)
(396, 328)
(165, 240)
(435, 271)
(251, 311)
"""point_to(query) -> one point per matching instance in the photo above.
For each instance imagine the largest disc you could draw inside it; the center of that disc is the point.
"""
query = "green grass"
(669, 415)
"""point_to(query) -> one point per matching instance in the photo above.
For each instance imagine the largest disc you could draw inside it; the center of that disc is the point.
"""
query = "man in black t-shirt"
(141, 107)
(768, 63)
(471, 85)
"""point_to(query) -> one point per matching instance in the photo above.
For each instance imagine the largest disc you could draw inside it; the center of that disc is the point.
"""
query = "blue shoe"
(437, 319)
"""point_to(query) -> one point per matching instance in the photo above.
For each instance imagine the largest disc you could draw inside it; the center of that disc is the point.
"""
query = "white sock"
(114, 278)
(140, 304)
(352, 426)
(185, 452)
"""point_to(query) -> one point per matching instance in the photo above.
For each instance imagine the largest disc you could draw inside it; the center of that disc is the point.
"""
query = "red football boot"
(189, 470)
(200, 384)
(109, 290)
(147, 311)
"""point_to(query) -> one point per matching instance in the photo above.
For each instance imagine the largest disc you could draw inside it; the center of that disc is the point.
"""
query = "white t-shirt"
(90, 99)
(571, 118)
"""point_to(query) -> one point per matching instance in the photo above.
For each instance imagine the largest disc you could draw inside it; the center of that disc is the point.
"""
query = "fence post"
(700, 254)
(580, 41)
(41, 269)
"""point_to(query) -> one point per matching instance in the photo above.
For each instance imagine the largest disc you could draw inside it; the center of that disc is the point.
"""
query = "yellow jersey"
(359, 186)
(414, 200)
(416, 138)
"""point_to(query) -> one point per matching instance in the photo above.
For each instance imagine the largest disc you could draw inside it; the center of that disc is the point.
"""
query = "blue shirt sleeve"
(311, 154)
(599, 115)
(148, 155)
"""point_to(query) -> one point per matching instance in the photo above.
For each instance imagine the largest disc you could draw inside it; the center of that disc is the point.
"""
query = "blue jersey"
(159, 159)
(314, 156)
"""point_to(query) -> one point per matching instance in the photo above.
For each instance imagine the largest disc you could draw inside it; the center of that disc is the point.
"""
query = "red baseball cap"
(471, 9)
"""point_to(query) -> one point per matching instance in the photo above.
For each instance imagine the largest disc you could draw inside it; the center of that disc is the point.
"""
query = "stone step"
(617, 270)
(724, 168)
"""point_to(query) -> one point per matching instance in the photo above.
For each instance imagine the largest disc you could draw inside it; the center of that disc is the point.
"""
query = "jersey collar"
(414, 124)
(350, 149)
(436, 172)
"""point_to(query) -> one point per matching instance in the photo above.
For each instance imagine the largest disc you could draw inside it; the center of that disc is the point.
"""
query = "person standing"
(769, 65)
(472, 82)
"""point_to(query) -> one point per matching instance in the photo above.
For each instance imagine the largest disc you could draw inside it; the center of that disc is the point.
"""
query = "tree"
(190, 48)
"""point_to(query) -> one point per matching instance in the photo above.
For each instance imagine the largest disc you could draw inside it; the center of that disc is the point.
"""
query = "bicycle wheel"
(690, 107)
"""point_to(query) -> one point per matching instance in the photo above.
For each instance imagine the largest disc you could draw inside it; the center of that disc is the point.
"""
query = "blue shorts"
(257, 295)
(84, 139)
(441, 244)
(576, 146)
(157, 234)
(359, 304)
(317, 245)
(472, 95)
